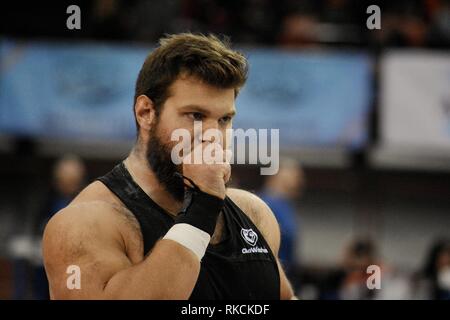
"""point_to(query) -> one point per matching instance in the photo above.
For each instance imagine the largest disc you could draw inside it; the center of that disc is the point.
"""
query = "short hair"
(205, 57)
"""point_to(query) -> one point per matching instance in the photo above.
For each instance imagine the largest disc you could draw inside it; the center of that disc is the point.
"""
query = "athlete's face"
(192, 100)
(189, 100)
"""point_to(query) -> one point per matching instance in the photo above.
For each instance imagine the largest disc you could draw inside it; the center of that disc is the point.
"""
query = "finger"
(227, 172)
(214, 154)
(228, 155)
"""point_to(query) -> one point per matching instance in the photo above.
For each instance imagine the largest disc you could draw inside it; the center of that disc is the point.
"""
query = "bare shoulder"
(260, 214)
(78, 225)
(94, 216)
(93, 233)
(92, 206)
(103, 201)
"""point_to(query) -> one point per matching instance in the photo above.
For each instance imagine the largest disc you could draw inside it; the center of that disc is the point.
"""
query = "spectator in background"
(349, 282)
(439, 33)
(68, 179)
(108, 19)
(298, 30)
(433, 282)
(279, 192)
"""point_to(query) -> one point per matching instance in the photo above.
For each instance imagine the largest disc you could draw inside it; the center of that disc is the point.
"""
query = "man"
(280, 192)
(154, 229)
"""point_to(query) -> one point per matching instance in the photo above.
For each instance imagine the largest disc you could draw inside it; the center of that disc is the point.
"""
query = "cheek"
(166, 125)
(165, 132)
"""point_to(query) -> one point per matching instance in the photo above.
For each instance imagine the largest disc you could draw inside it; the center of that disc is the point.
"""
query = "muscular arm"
(90, 236)
(263, 217)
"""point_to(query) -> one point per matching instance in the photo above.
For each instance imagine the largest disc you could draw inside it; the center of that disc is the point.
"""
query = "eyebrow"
(196, 108)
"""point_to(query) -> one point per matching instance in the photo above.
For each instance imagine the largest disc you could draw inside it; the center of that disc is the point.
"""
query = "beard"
(159, 160)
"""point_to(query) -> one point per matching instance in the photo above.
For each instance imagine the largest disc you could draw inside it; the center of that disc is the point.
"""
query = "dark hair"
(437, 248)
(203, 56)
(363, 248)
(430, 269)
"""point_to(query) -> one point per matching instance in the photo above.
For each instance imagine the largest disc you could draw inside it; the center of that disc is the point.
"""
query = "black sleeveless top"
(241, 266)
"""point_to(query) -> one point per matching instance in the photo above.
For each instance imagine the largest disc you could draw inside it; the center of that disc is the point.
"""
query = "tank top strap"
(153, 220)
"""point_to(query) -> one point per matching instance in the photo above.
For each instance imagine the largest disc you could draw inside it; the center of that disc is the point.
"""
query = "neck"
(143, 175)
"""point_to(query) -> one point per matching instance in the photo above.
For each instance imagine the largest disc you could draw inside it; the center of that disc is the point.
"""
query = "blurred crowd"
(348, 279)
(288, 23)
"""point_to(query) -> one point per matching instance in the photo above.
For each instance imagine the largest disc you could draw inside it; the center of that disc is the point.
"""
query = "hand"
(209, 175)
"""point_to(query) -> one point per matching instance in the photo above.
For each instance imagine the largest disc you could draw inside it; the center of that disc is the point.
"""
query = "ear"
(144, 111)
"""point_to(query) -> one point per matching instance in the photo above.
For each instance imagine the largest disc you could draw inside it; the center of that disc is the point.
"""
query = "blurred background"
(364, 119)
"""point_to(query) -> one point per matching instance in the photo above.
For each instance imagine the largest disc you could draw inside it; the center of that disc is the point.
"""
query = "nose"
(212, 131)
(210, 124)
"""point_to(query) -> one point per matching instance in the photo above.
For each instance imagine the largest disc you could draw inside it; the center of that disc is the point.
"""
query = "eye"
(225, 120)
(197, 116)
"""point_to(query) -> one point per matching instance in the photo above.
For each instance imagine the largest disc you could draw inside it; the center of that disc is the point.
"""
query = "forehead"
(188, 90)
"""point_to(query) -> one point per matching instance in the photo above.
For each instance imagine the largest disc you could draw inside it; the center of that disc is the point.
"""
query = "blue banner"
(85, 91)
(315, 99)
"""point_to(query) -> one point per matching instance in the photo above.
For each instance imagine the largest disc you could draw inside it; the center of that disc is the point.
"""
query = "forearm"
(169, 272)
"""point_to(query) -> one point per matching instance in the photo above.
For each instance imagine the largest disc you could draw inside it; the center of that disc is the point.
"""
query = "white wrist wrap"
(190, 237)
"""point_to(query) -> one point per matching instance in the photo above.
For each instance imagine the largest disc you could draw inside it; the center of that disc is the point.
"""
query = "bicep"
(81, 251)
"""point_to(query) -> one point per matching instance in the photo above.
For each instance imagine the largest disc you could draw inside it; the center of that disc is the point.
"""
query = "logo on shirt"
(249, 236)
